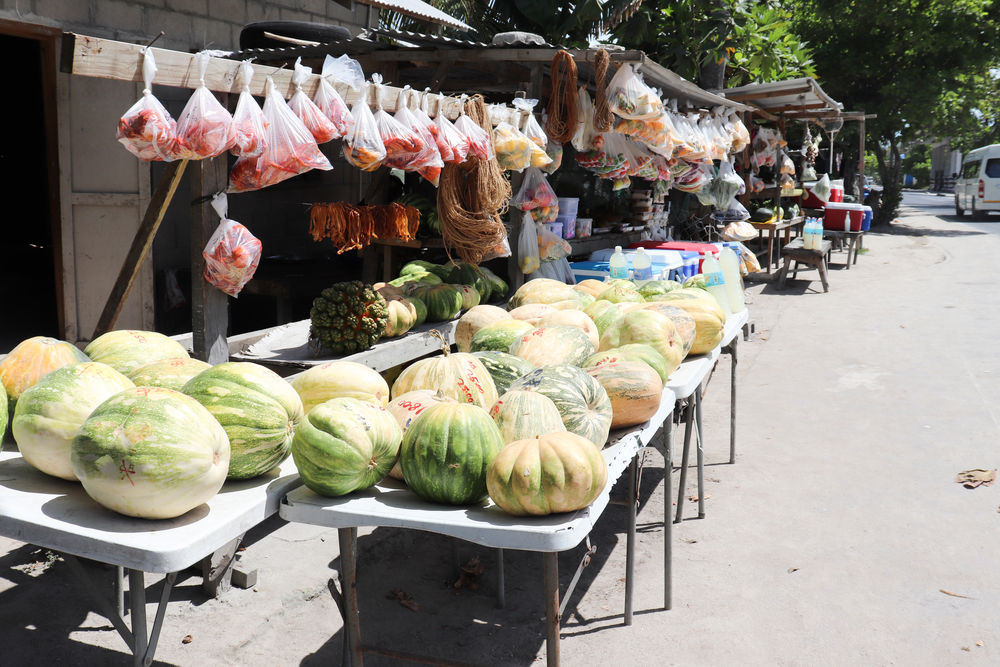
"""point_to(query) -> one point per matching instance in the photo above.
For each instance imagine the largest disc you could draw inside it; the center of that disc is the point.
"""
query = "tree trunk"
(892, 187)
(712, 75)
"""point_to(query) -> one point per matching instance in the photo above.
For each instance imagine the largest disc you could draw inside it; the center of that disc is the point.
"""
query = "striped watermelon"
(128, 349)
(258, 409)
(474, 320)
(580, 399)
(151, 453)
(30, 360)
(345, 445)
(458, 376)
(170, 373)
(406, 409)
(554, 346)
(340, 379)
(49, 414)
(523, 414)
(634, 389)
(504, 368)
(498, 336)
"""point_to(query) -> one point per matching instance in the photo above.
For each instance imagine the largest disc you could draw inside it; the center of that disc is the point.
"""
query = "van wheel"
(959, 211)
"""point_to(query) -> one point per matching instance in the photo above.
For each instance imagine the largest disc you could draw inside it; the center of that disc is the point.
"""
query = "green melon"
(499, 336)
(554, 346)
(128, 349)
(581, 400)
(463, 273)
(444, 302)
(258, 409)
(657, 287)
(633, 352)
(523, 414)
(170, 373)
(504, 368)
(498, 286)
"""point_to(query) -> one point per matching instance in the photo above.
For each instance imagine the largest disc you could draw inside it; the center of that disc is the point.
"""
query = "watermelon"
(49, 414)
(31, 360)
(553, 346)
(458, 376)
(340, 379)
(573, 318)
(170, 373)
(634, 389)
(557, 472)
(345, 445)
(542, 290)
(421, 309)
(474, 320)
(649, 327)
(420, 266)
(424, 278)
(463, 273)
(470, 297)
(446, 451)
(523, 414)
(633, 352)
(498, 286)
(504, 368)
(581, 400)
(499, 336)
(150, 452)
(406, 408)
(258, 409)
(128, 349)
(444, 302)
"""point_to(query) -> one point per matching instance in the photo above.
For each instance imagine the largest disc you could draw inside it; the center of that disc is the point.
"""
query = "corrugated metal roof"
(418, 9)
(803, 95)
(428, 40)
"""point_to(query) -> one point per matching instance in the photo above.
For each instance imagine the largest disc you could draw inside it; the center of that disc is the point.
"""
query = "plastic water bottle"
(734, 281)
(618, 264)
(642, 266)
(809, 235)
(715, 281)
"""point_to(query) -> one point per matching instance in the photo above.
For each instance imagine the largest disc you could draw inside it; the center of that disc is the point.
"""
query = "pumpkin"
(524, 414)
(686, 327)
(170, 373)
(709, 319)
(504, 368)
(591, 286)
(555, 472)
(633, 388)
(340, 379)
(402, 316)
(470, 296)
(474, 320)
(553, 346)
(458, 376)
(654, 288)
(621, 293)
(542, 290)
(573, 318)
(606, 313)
(532, 312)
(581, 400)
(499, 336)
(31, 360)
(633, 352)
(126, 350)
(649, 327)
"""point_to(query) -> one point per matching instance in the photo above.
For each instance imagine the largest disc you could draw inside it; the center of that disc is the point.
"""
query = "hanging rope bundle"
(602, 112)
(562, 109)
(471, 198)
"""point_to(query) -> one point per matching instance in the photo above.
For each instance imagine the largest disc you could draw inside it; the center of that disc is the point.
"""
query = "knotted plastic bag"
(317, 122)
(232, 254)
(629, 97)
(427, 161)
(453, 145)
(531, 128)
(147, 129)
(583, 138)
(249, 127)
(204, 128)
(537, 196)
(480, 142)
(362, 146)
(527, 245)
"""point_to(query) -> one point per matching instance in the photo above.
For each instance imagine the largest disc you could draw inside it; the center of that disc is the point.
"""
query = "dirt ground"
(839, 536)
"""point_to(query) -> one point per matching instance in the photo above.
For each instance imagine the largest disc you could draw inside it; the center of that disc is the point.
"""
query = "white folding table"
(59, 515)
(390, 503)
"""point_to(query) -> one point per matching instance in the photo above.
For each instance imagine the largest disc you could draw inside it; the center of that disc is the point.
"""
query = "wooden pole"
(209, 305)
(141, 244)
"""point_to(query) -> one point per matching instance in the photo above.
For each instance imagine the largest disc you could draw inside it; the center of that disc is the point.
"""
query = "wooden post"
(209, 305)
(141, 244)
(861, 158)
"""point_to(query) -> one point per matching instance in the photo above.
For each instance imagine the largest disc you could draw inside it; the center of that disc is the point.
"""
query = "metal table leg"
(734, 356)
(550, 562)
(682, 484)
(701, 453)
(348, 538)
(668, 547)
(501, 594)
(137, 608)
(631, 501)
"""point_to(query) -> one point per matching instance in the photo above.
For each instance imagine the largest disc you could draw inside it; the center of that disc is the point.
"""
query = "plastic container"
(584, 227)
(568, 226)
(555, 227)
(866, 222)
(837, 190)
(734, 281)
(841, 217)
(689, 246)
(808, 199)
(642, 266)
(715, 282)
(618, 265)
(568, 206)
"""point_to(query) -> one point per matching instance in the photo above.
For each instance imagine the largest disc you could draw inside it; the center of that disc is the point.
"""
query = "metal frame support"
(550, 565)
(682, 484)
(668, 530)
(732, 349)
(631, 501)
(700, 443)
(348, 538)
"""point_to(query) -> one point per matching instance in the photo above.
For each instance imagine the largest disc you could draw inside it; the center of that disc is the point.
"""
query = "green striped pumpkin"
(504, 368)
(340, 379)
(633, 352)
(258, 409)
(171, 373)
(554, 346)
(151, 453)
(581, 400)
(525, 414)
(446, 452)
(498, 336)
(345, 445)
(127, 349)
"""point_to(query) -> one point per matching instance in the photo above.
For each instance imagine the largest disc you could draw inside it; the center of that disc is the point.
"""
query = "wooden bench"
(855, 241)
(795, 254)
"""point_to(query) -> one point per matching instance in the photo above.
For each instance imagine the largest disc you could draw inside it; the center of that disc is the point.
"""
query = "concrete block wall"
(188, 24)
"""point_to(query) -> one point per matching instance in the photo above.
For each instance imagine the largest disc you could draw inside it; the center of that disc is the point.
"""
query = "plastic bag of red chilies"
(428, 161)
(232, 254)
(333, 107)
(452, 144)
(290, 151)
(204, 128)
(249, 128)
(147, 130)
(402, 145)
(480, 141)
(362, 146)
(321, 127)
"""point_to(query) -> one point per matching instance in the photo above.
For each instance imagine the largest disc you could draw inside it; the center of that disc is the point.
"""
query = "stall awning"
(801, 98)
(419, 10)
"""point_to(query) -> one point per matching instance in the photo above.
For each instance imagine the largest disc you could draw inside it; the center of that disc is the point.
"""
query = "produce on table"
(3, 413)
(525, 414)
(127, 349)
(258, 409)
(31, 360)
(420, 266)
(475, 319)
(621, 294)
(418, 305)
(347, 317)
(444, 302)
(499, 336)
(633, 388)
(655, 287)
(151, 453)
(425, 277)
(459, 376)
(686, 326)
(556, 472)
(345, 445)
(401, 316)
(49, 414)
(532, 312)
(649, 327)
(340, 379)
(581, 400)
(709, 318)
(171, 373)
(498, 286)
(406, 408)
(591, 286)
(504, 368)
(446, 451)
(573, 318)
(632, 352)
(463, 273)
(553, 346)
(543, 290)
(470, 297)
(606, 313)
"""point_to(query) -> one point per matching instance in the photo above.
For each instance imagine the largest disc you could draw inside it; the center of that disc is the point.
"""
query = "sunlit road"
(944, 208)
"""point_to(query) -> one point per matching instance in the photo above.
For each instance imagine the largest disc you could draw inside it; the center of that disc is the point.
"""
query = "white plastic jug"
(642, 266)
(618, 264)
(734, 281)
(715, 281)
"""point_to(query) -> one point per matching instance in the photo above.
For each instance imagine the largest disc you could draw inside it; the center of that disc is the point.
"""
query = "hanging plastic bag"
(321, 127)
(527, 245)
(722, 190)
(452, 144)
(480, 142)
(787, 165)
(531, 128)
(550, 246)
(629, 97)
(741, 136)
(558, 269)
(344, 69)
(249, 128)
(427, 162)
(204, 128)
(402, 145)
(583, 138)
(535, 192)
(333, 107)
(362, 146)
(232, 254)
(498, 251)
(513, 148)
(555, 153)
(291, 149)
(738, 230)
(147, 129)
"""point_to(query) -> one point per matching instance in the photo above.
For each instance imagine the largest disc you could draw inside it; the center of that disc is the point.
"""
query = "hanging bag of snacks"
(249, 128)
(453, 145)
(204, 128)
(537, 196)
(333, 107)
(402, 145)
(531, 128)
(232, 254)
(146, 130)
(321, 127)
(583, 138)
(630, 98)
(362, 146)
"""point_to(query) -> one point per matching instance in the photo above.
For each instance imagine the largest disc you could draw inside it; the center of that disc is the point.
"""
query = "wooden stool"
(794, 252)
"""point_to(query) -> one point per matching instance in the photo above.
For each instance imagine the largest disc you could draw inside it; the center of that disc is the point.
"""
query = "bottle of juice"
(734, 281)
(618, 264)
(715, 281)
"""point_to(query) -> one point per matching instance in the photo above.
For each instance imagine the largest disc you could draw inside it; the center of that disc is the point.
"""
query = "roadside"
(829, 542)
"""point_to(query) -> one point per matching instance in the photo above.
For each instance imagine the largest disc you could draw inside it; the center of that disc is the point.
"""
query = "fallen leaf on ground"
(469, 576)
(956, 595)
(970, 479)
(690, 541)
(404, 599)
(966, 648)
(792, 569)
(187, 639)
(694, 499)
(979, 643)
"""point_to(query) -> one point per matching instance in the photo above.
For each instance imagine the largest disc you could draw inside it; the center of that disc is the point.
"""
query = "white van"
(977, 189)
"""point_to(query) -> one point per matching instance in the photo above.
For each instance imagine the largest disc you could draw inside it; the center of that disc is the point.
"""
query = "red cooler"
(841, 217)
(836, 194)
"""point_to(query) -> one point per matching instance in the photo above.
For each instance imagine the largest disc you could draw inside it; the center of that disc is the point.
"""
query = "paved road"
(943, 207)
